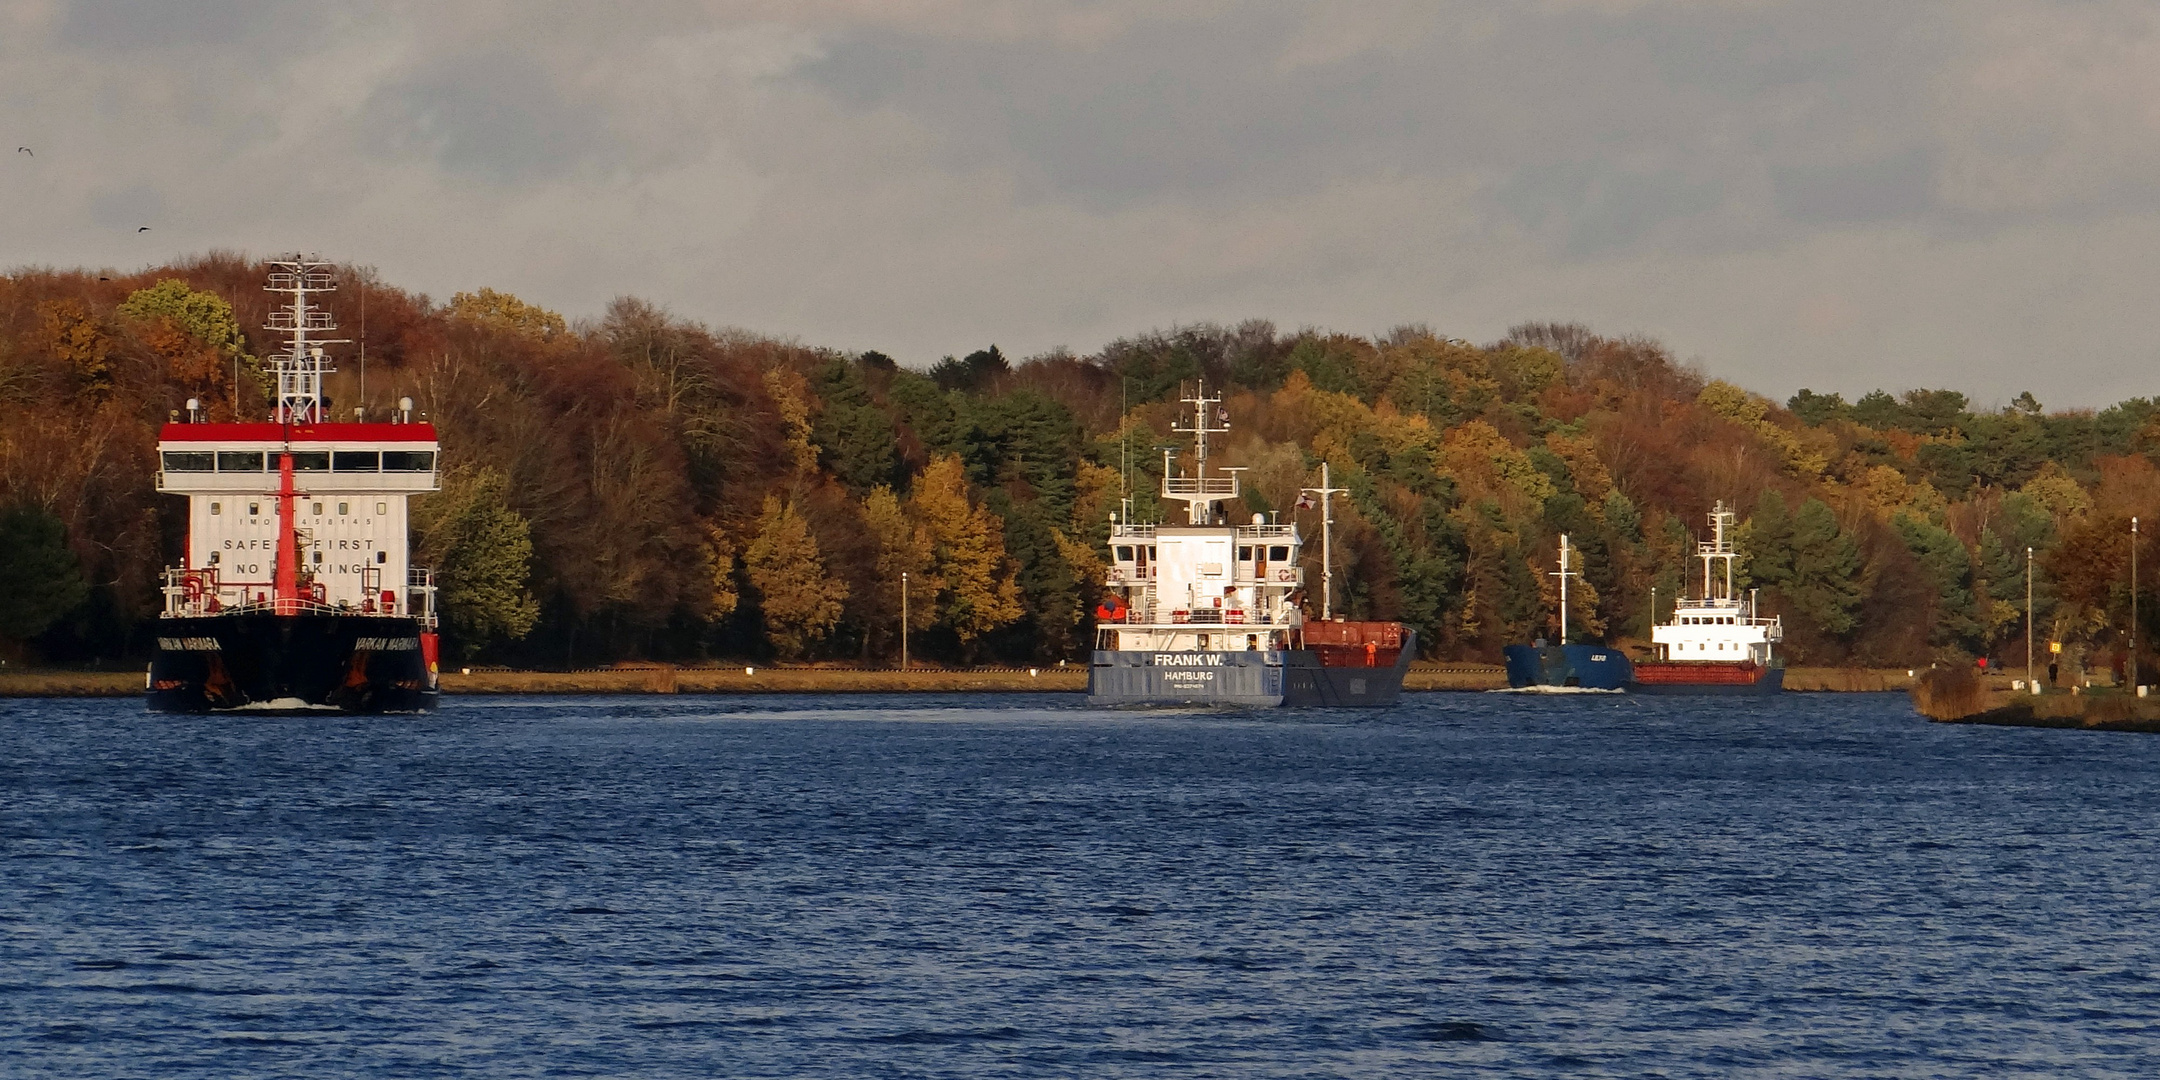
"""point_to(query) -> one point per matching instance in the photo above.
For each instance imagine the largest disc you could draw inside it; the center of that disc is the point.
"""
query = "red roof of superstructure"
(267, 432)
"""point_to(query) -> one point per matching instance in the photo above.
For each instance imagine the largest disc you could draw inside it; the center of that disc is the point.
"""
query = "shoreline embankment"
(666, 679)
(1961, 696)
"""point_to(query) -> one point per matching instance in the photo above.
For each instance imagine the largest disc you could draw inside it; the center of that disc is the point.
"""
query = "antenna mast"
(1564, 574)
(1327, 541)
(300, 368)
(1200, 494)
(1719, 548)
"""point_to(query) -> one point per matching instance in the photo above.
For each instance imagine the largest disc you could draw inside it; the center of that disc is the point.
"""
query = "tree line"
(641, 486)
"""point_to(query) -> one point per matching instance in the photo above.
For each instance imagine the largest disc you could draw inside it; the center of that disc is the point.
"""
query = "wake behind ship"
(296, 590)
(1207, 613)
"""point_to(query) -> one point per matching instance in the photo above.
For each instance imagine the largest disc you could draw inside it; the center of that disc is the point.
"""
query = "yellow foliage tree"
(967, 545)
(1477, 449)
(800, 600)
(790, 395)
(903, 547)
(1752, 412)
(74, 338)
(502, 310)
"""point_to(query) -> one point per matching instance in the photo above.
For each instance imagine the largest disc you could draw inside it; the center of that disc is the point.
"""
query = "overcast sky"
(1834, 194)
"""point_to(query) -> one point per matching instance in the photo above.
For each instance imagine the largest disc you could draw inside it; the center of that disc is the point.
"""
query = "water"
(1006, 886)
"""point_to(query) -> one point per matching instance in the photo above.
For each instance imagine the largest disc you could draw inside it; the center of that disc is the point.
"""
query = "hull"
(257, 661)
(1707, 679)
(1311, 677)
(1591, 667)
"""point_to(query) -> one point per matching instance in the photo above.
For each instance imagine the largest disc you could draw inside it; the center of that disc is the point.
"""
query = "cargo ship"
(295, 591)
(1568, 665)
(1211, 612)
(1714, 644)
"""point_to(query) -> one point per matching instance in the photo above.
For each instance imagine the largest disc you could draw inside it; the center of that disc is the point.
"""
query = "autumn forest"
(641, 486)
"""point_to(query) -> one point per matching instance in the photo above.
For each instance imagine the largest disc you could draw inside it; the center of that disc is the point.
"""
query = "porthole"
(318, 510)
(254, 509)
(216, 509)
(382, 556)
(343, 509)
(382, 508)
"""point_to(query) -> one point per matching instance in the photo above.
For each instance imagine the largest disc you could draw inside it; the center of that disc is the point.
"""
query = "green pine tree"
(40, 579)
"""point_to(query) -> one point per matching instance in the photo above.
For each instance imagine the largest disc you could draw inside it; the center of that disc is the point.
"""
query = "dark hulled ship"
(1210, 612)
(296, 590)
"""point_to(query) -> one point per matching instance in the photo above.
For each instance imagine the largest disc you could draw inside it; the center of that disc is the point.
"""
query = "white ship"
(1715, 643)
(1210, 612)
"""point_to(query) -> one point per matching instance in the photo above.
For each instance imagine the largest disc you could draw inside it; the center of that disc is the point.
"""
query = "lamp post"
(903, 620)
(2029, 683)
(2133, 604)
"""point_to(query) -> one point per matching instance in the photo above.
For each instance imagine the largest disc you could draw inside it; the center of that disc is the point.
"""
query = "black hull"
(1294, 677)
(256, 661)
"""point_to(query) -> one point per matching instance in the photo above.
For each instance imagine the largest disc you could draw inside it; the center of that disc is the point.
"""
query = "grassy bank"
(1960, 696)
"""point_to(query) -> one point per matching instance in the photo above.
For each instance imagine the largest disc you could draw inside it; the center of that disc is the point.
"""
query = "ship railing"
(1265, 532)
(1224, 486)
(1132, 532)
(420, 595)
(194, 591)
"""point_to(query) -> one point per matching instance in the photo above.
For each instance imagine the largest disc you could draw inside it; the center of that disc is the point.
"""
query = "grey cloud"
(501, 117)
(1788, 190)
(1603, 131)
(152, 24)
(1899, 186)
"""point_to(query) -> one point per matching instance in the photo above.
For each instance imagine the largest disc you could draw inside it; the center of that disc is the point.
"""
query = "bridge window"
(1244, 554)
(239, 461)
(356, 461)
(408, 460)
(1124, 554)
(190, 461)
(311, 461)
(1278, 553)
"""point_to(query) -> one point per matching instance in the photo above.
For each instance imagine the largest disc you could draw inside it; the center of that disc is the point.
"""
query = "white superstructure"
(1717, 626)
(348, 491)
(1207, 585)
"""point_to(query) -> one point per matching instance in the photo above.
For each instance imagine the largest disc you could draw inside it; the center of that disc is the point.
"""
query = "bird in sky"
(143, 229)
(25, 150)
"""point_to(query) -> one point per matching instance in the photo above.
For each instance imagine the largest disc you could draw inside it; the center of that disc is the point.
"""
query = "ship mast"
(1563, 574)
(1719, 549)
(299, 371)
(300, 368)
(1198, 492)
(1327, 492)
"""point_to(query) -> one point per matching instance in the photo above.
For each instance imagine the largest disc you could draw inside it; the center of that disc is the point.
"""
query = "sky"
(1837, 194)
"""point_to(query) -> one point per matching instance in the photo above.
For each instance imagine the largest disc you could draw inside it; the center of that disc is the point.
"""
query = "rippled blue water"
(992, 886)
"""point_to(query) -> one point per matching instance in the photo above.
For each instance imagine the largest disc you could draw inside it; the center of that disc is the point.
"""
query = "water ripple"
(1818, 885)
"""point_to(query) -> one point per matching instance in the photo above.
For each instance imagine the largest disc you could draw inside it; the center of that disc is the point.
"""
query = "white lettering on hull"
(1187, 660)
(189, 644)
(386, 644)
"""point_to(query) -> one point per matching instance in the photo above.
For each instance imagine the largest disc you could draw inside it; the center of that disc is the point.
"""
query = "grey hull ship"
(1208, 613)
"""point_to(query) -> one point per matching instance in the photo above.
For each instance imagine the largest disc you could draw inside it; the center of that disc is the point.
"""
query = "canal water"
(1490, 885)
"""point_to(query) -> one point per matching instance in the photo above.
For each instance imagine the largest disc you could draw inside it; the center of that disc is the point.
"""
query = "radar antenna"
(300, 368)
